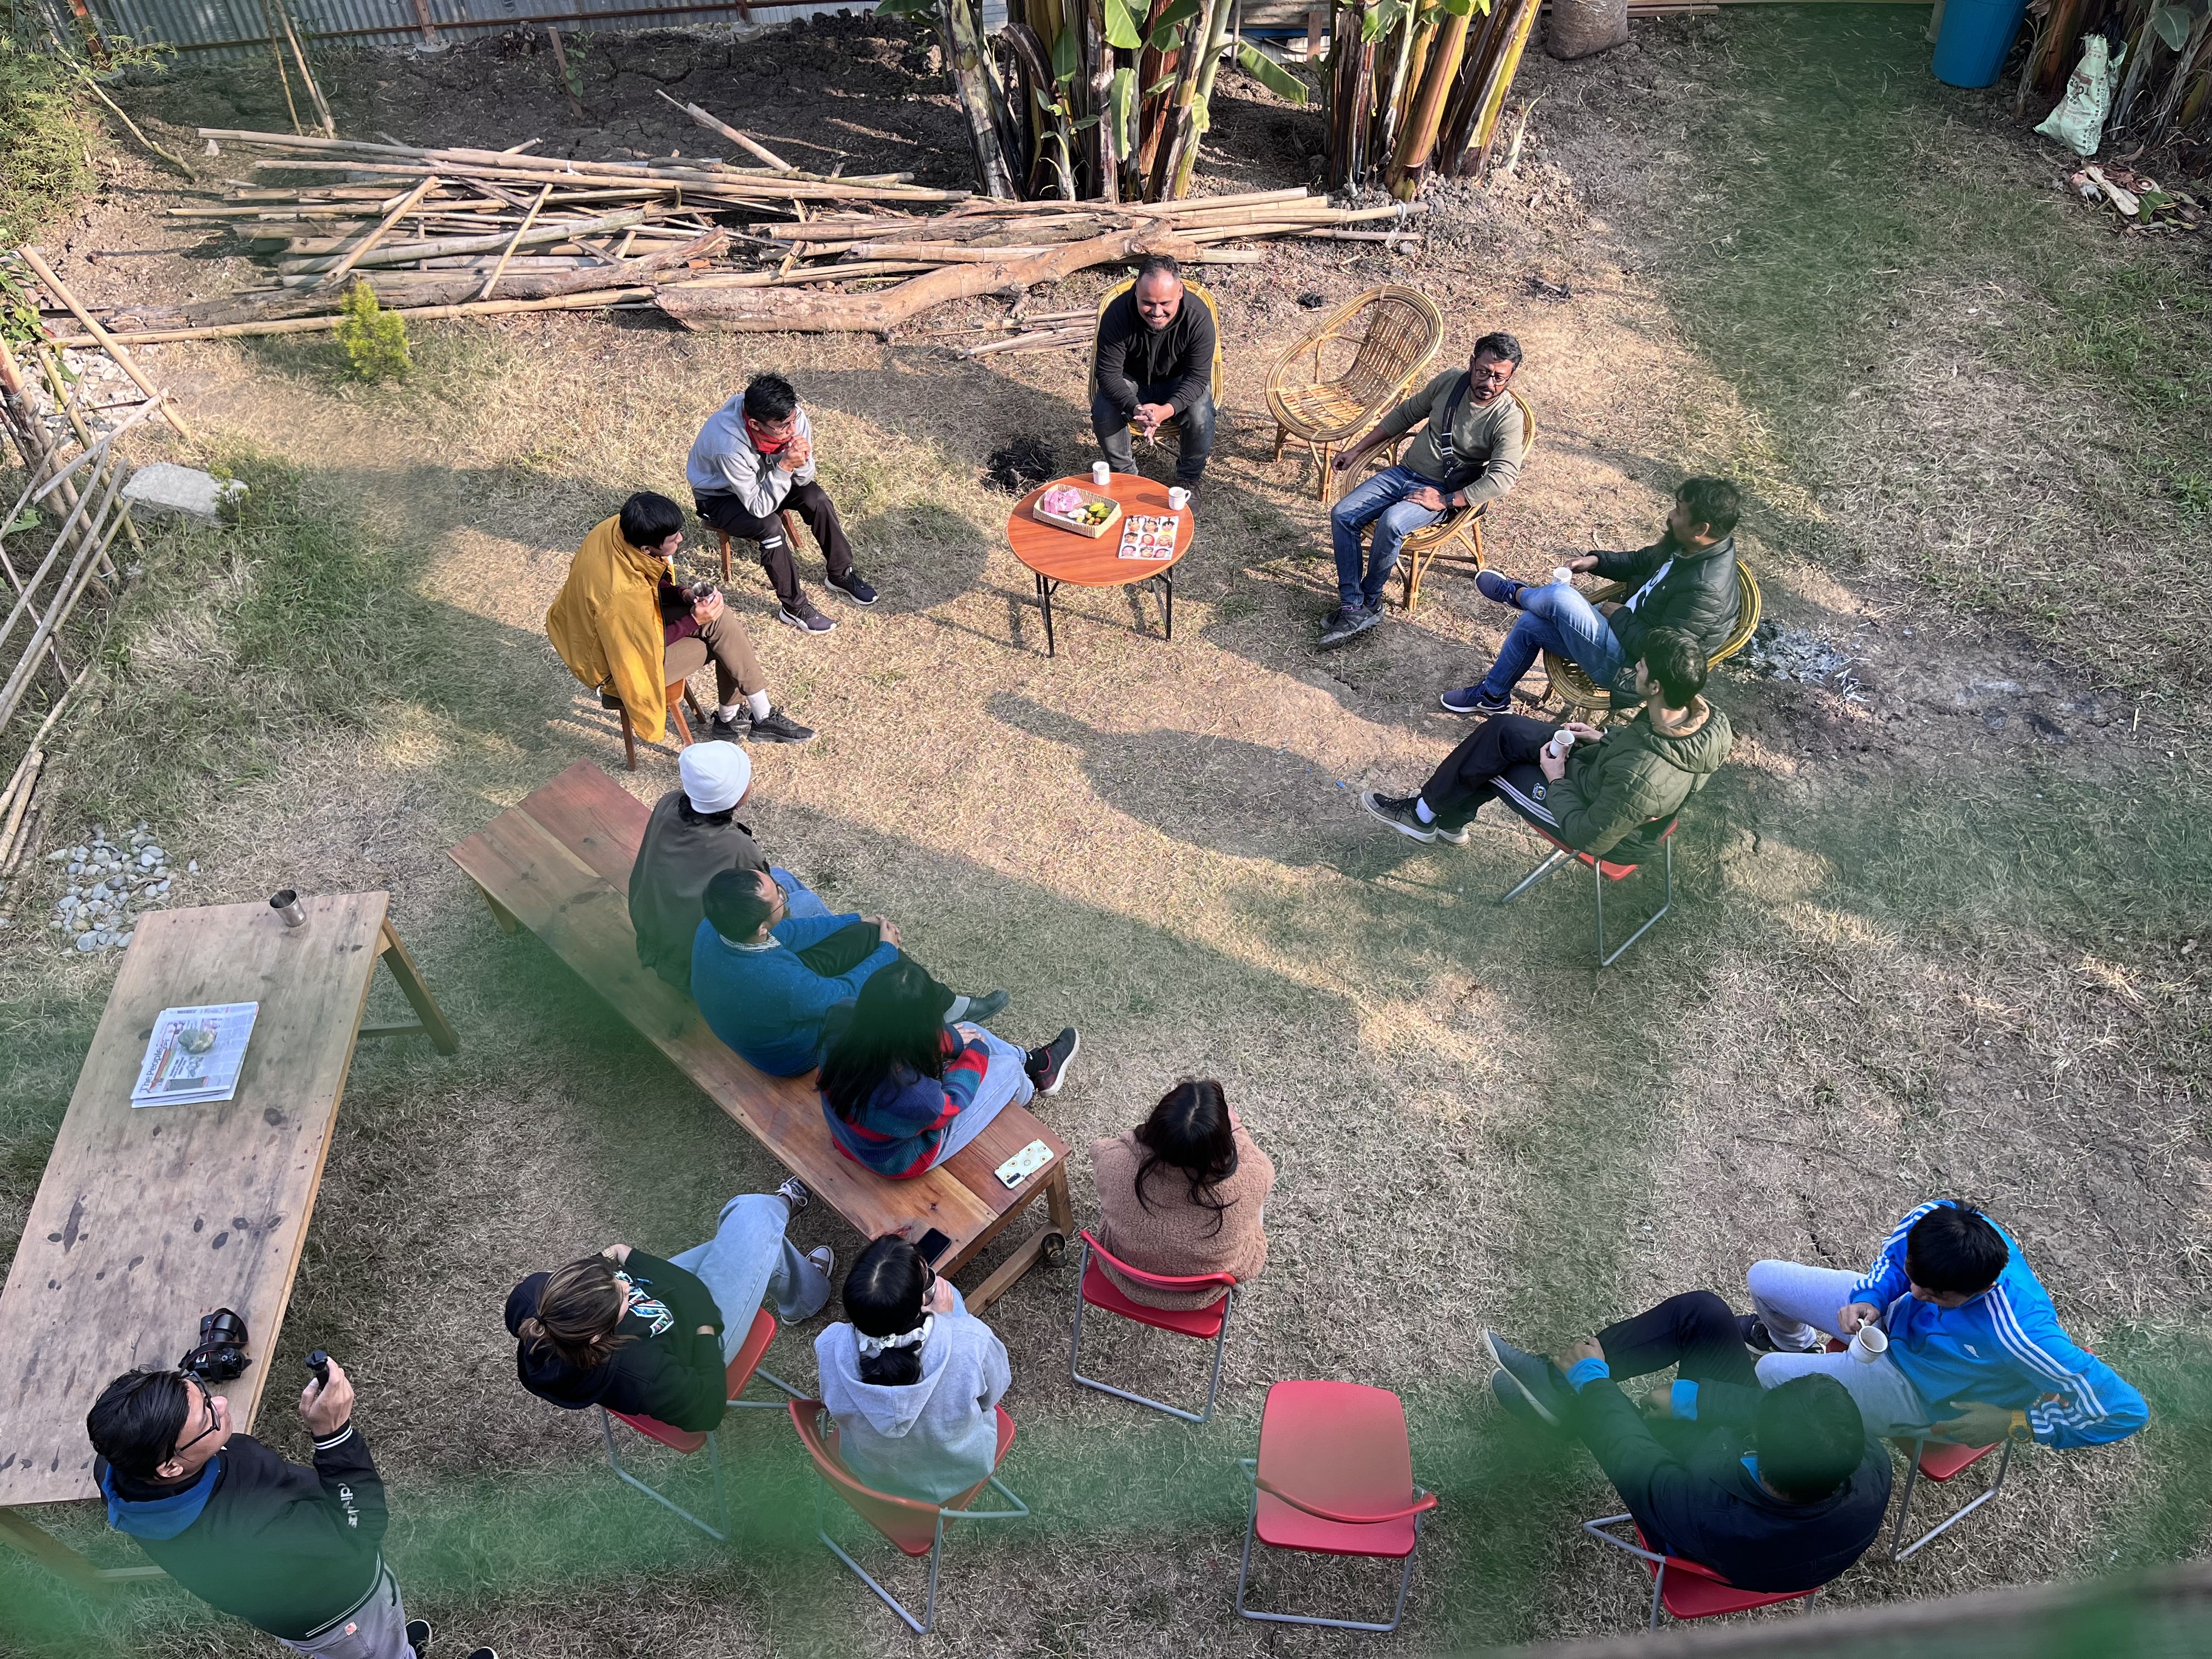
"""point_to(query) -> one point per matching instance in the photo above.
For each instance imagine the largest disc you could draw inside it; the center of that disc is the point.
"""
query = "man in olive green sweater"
(1604, 793)
(1474, 436)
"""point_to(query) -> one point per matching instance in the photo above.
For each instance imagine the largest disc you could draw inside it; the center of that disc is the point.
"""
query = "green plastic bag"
(2079, 120)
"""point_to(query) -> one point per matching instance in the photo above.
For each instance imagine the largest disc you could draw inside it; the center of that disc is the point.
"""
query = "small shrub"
(44, 166)
(375, 339)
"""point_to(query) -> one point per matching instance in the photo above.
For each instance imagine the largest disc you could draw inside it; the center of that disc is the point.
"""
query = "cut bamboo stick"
(507, 252)
(124, 359)
(361, 251)
(759, 151)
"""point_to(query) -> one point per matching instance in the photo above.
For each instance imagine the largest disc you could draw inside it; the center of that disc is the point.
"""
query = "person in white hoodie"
(912, 1378)
(753, 459)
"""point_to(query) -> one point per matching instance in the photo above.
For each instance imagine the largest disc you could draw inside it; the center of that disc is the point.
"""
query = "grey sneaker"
(1534, 1379)
(1447, 833)
(824, 1259)
(1348, 624)
(1397, 812)
(779, 728)
(804, 618)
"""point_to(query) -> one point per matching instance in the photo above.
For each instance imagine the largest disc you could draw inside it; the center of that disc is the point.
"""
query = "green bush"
(44, 164)
(375, 339)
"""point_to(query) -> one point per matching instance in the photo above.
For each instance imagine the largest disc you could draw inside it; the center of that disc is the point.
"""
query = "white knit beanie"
(715, 775)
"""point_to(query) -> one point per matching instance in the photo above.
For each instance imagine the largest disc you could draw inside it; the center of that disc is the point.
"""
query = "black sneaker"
(483, 1653)
(1757, 1338)
(722, 730)
(854, 588)
(989, 1005)
(804, 617)
(1348, 624)
(779, 728)
(1454, 835)
(1533, 1378)
(1472, 701)
(793, 1192)
(1048, 1066)
(1397, 812)
(418, 1637)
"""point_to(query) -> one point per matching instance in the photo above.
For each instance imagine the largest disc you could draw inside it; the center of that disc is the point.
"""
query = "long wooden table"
(149, 1217)
(559, 865)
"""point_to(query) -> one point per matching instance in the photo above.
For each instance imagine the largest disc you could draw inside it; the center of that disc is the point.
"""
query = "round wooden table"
(1056, 556)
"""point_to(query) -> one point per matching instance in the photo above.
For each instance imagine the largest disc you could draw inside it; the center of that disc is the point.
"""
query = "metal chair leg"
(1911, 1480)
(1666, 903)
(1536, 875)
(1244, 1570)
(768, 1405)
(714, 1462)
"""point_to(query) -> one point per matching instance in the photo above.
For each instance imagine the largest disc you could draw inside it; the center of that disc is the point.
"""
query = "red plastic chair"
(914, 1525)
(1686, 1589)
(744, 1365)
(1333, 1478)
(1604, 870)
(1209, 1323)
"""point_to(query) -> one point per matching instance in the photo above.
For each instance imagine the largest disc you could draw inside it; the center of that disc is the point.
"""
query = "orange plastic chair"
(914, 1525)
(1686, 1589)
(1334, 1477)
(1209, 1323)
(744, 1365)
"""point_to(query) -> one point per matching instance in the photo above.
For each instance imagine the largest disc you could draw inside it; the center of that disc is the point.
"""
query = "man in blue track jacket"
(1975, 1354)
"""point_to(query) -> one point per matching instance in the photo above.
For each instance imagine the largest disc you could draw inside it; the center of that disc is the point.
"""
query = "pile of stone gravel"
(109, 886)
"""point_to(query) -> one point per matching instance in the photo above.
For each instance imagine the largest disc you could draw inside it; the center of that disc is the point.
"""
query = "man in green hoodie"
(1601, 794)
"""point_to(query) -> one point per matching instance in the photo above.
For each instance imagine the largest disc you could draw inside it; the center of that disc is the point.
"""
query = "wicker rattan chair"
(1572, 688)
(1399, 331)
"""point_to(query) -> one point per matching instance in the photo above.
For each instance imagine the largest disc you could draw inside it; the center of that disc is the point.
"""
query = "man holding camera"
(629, 631)
(294, 1551)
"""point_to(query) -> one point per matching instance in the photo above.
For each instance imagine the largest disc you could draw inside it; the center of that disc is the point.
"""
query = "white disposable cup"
(1562, 741)
(1100, 473)
(1868, 1343)
(1561, 573)
(1178, 499)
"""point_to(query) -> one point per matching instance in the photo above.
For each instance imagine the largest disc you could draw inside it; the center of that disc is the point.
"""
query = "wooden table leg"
(1049, 1239)
(508, 920)
(58, 1558)
(418, 995)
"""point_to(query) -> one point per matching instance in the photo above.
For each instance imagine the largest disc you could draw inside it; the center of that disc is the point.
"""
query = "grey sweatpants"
(377, 1629)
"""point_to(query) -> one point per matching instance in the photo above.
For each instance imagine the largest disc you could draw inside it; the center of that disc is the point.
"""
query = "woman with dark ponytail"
(911, 1378)
(1182, 1194)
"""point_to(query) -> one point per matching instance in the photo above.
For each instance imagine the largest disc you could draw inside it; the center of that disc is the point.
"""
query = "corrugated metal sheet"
(238, 28)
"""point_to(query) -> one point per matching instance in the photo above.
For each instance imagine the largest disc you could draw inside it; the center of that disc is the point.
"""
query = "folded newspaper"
(194, 1054)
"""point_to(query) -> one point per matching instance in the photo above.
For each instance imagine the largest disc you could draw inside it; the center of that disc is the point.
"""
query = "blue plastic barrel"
(1975, 35)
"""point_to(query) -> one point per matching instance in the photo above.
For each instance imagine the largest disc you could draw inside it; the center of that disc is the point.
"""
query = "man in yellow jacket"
(629, 631)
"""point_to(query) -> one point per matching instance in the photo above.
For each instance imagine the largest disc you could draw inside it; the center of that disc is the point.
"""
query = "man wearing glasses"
(292, 1551)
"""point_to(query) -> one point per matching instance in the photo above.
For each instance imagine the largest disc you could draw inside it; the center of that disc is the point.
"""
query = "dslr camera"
(221, 1355)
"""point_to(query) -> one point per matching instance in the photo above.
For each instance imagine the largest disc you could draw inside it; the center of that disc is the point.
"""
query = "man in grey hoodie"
(753, 459)
(913, 1379)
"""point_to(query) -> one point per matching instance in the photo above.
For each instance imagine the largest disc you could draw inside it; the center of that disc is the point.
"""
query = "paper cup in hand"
(1562, 741)
(1561, 573)
(1868, 1343)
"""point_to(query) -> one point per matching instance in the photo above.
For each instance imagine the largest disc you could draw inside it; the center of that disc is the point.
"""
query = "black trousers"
(1696, 1331)
(813, 504)
(1458, 789)
(848, 948)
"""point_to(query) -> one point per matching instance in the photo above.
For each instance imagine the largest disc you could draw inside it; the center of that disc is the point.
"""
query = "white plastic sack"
(2079, 120)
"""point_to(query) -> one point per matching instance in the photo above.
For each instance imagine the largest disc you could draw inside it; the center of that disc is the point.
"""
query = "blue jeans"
(749, 1259)
(1382, 502)
(1555, 618)
(1006, 1082)
(800, 899)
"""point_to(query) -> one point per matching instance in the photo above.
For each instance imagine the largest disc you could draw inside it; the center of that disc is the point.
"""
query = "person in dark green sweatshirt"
(1604, 792)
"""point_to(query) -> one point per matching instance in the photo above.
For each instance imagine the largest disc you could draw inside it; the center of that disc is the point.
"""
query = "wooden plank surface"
(149, 1217)
(560, 863)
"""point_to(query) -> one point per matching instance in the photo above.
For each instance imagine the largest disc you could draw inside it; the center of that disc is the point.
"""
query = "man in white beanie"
(694, 836)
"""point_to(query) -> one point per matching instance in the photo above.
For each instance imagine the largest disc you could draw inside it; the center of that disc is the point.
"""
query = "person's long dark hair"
(884, 1296)
(1190, 1132)
(898, 1020)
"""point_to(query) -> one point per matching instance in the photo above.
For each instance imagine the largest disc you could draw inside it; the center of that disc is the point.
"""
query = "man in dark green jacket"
(1603, 793)
(1685, 580)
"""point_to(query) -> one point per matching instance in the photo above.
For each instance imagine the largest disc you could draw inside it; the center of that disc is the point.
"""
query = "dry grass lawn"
(1939, 940)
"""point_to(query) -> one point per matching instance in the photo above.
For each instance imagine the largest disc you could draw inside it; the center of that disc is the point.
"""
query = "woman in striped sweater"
(903, 1090)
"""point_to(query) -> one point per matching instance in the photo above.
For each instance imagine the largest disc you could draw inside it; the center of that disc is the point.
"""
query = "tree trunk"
(967, 65)
(1466, 95)
(1153, 65)
(1386, 113)
(1102, 153)
(1351, 85)
(1484, 88)
(1501, 82)
(1201, 116)
(1182, 109)
(798, 311)
(1420, 138)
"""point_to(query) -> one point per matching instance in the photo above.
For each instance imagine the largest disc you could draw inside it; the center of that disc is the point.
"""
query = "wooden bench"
(559, 865)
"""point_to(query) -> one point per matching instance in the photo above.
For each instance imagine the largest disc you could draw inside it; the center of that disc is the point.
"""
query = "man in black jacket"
(1776, 1491)
(294, 1551)
(1153, 363)
(1686, 580)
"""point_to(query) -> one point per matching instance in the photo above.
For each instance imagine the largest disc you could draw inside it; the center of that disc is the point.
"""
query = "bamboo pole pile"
(455, 232)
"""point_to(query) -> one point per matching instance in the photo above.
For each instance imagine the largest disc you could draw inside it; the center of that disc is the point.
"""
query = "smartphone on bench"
(933, 1245)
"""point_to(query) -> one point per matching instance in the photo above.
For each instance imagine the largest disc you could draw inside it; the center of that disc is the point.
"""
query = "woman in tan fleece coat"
(1181, 1195)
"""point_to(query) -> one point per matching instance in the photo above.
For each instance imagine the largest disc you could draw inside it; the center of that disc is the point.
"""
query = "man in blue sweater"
(767, 965)
(1975, 1352)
